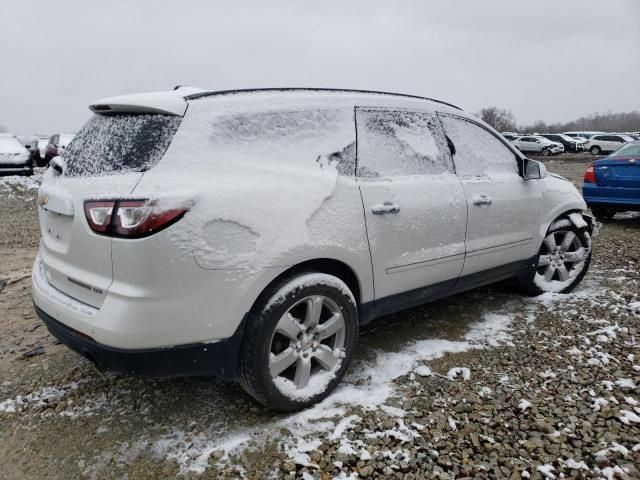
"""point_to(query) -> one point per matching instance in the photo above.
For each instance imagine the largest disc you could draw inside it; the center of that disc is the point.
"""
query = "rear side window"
(398, 143)
(477, 151)
(299, 136)
(119, 144)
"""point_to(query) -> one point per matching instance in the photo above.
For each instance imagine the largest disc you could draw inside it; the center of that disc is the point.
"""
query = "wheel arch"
(574, 215)
(330, 266)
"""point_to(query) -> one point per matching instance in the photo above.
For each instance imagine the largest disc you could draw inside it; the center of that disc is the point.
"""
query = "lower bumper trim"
(218, 359)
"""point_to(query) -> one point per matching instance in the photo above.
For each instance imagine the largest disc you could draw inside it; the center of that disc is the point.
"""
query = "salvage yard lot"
(487, 384)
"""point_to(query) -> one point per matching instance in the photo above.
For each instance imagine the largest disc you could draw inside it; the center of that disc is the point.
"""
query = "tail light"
(590, 175)
(129, 218)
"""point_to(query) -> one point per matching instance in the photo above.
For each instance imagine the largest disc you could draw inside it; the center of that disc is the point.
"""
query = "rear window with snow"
(313, 134)
(397, 143)
(119, 144)
(477, 151)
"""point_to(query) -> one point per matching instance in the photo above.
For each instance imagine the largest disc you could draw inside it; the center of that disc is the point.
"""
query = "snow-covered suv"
(249, 234)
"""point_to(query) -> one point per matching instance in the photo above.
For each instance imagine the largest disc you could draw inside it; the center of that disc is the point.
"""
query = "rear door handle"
(482, 200)
(386, 207)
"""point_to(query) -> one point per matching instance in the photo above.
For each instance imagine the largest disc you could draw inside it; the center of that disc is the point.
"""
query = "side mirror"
(533, 170)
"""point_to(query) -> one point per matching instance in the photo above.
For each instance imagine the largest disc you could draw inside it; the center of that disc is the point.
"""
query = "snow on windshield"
(10, 145)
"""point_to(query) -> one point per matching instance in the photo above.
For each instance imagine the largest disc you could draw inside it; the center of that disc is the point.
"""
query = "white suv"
(248, 234)
(606, 143)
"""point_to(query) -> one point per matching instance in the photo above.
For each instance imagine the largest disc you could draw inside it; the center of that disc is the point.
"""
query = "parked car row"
(19, 154)
(549, 143)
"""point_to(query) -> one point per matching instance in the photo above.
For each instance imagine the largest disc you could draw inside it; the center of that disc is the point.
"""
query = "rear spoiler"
(170, 102)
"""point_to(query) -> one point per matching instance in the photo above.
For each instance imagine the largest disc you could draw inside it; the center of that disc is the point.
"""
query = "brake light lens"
(590, 175)
(99, 215)
(129, 218)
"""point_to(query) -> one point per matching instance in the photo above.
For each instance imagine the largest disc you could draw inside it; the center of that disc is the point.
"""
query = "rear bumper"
(614, 197)
(219, 358)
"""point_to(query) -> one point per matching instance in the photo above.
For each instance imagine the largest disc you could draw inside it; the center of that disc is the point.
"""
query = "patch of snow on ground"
(523, 405)
(546, 470)
(368, 386)
(459, 372)
(46, 395)
(16, 186)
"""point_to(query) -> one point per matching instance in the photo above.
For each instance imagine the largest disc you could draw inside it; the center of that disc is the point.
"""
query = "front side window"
(119, 144)
(477, 151)
(394, 143)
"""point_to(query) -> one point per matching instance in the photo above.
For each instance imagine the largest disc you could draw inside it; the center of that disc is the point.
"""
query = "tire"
(560, 269)
(595, 150)
(603, 212)
(546, 152)
(284, 362)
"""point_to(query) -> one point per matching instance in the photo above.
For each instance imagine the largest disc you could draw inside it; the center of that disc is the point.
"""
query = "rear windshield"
(119, 144)
(632, 150)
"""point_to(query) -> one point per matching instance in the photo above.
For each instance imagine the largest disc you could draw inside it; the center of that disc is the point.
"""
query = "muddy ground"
(487, 384)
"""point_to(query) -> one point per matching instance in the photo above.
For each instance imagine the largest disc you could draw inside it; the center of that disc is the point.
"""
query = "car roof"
(316, 90)
(175, 102)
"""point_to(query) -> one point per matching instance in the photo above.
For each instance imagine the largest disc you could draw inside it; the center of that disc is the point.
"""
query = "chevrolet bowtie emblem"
(42, 199)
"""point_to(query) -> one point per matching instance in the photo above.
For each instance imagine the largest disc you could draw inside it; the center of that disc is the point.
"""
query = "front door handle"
(482, 200)
(386, 207)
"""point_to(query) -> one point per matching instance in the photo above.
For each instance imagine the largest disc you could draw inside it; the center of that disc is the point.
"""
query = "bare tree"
(500, 119)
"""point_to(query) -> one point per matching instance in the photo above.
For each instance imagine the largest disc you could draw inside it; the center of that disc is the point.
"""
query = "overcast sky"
(550, 60)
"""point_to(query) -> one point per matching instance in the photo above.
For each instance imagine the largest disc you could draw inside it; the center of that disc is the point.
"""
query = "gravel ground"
(487, 384)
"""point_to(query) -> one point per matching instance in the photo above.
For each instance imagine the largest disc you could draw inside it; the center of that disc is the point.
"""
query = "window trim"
(445, 152)
(519, 157)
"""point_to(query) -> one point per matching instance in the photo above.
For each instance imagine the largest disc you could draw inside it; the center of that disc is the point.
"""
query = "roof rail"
(290, 89)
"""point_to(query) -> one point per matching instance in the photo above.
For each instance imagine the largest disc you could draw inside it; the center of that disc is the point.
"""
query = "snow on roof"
(174, 102)
(321, 91)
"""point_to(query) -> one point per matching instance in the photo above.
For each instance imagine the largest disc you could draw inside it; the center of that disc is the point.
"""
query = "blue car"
(612, 184)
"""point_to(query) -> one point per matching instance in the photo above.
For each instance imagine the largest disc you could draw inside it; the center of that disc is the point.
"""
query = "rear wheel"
(595, 150)
(564, 258)
(299, 343)
(603, 212)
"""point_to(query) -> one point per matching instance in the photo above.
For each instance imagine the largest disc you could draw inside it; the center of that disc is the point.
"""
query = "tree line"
(504, 121)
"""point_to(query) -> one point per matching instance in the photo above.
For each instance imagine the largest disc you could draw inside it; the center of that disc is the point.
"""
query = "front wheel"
(563, 260)
(298, 344)
(546, 152)
(595, 150)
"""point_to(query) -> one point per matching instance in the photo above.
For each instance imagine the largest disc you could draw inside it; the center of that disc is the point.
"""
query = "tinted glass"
(397, 143)
(119, 144)
(300, 136)
(629, 151)
(477, 151)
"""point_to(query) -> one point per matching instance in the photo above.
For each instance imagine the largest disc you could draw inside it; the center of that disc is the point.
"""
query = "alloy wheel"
(561, 257)
(308, 341)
